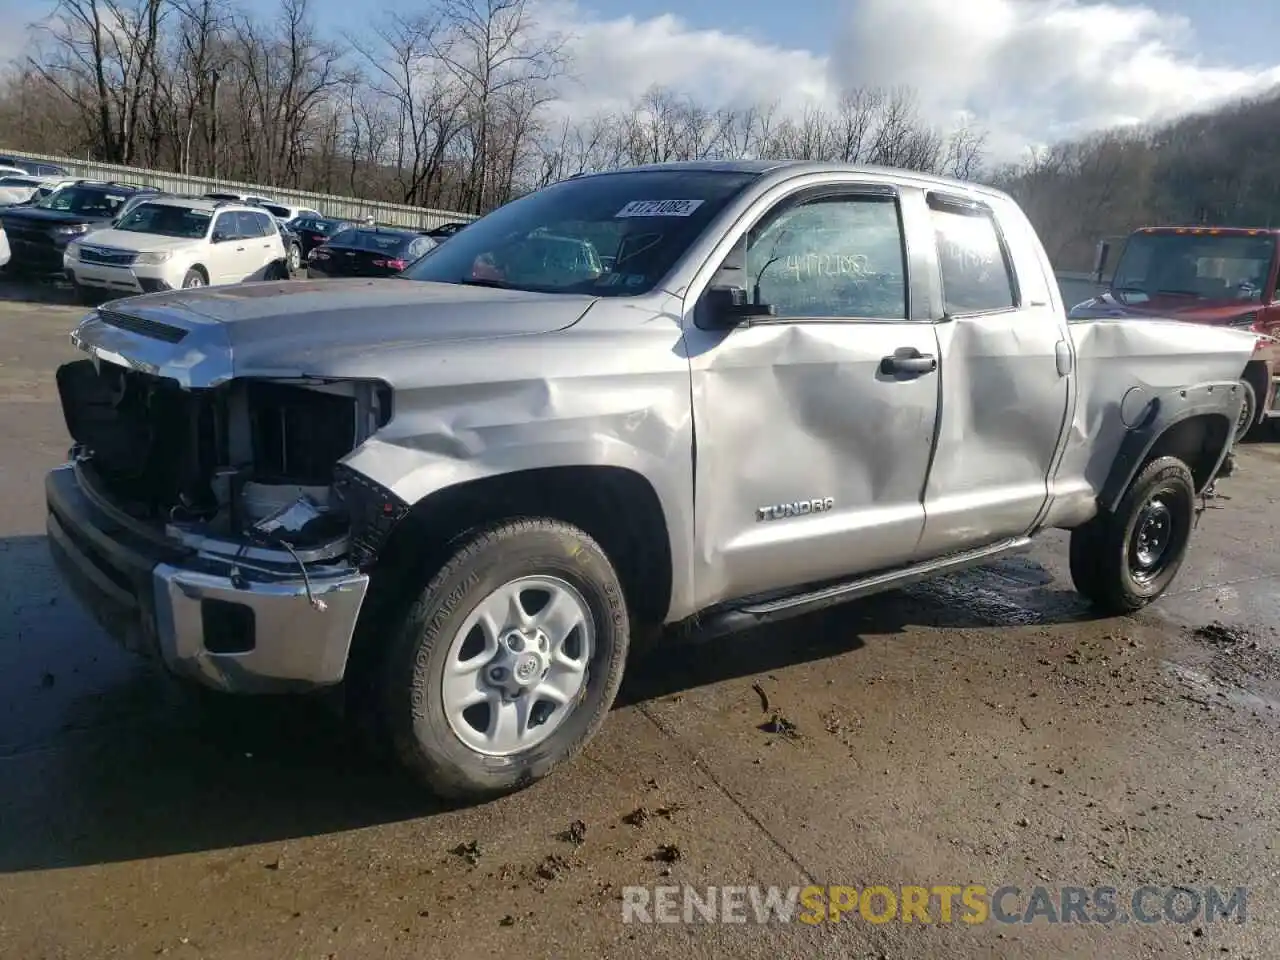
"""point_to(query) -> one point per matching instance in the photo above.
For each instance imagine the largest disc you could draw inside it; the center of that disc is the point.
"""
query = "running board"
(743, 615)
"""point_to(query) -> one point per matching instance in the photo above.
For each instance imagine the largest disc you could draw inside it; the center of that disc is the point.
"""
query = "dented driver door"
(814, 427)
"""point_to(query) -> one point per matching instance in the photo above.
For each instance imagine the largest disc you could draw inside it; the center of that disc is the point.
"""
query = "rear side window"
(976, 277)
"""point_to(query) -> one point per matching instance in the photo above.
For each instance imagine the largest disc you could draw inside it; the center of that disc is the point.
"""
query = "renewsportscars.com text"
(938, 904)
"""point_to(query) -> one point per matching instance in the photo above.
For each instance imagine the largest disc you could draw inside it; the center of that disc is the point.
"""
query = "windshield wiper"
(1179, 293)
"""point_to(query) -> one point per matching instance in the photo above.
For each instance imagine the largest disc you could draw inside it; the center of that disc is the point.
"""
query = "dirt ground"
(978, 730)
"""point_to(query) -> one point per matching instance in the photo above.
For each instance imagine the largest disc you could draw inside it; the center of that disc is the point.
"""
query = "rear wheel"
(508, 662)
(1122, 561)
(295, 258)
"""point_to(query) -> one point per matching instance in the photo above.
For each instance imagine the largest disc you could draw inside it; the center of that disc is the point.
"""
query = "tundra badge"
(799, 508)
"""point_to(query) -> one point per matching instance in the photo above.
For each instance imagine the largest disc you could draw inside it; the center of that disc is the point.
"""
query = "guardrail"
(342, 208)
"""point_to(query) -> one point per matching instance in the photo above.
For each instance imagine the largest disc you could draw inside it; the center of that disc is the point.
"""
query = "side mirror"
(1100, 261)
(218, 237)
(728, 307)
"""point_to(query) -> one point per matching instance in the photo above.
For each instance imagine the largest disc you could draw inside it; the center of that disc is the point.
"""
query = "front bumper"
(243, 626)
(139, 278)
(36, 252)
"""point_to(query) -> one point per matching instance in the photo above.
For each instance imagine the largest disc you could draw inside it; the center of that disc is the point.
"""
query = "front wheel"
(1122, 561)
(508, 662)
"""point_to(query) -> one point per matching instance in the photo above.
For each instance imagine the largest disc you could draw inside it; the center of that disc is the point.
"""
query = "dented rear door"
(1007, 363)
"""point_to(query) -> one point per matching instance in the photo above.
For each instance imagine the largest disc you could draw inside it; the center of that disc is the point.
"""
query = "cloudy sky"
(1031, 70)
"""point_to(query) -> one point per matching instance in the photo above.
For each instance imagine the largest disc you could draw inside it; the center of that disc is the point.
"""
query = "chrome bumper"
(242, 627)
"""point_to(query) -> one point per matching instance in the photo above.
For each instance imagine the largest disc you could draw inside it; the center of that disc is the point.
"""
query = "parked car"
(463, 490)
(173, 242)
(12, 172)
(286, 212)
(315, 231)
(444, 231)
(232, 197)
(39, 233)
(367, 252)
(36, 168)
(292, 245)
(25, 191)
(17, 189)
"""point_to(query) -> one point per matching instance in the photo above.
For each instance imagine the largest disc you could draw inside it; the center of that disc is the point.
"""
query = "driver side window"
(837, 257)
(224, 227)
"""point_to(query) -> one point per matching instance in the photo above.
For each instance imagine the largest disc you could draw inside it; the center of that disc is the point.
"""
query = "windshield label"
(659, 208)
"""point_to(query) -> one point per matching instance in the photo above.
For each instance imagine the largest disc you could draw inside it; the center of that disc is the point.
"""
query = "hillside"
(1220, 167)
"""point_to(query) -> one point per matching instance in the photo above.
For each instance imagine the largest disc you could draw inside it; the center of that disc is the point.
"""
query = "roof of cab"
(792, 168)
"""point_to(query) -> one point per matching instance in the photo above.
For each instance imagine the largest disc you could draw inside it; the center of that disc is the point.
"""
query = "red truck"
(1222, 276)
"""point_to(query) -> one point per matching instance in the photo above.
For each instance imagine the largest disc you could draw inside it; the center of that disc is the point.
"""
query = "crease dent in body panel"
(1116, 356)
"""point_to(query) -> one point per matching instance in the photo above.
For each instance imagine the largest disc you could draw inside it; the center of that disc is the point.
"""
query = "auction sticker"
(659, 208)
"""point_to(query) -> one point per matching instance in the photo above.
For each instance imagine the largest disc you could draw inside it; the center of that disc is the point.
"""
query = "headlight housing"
(72, 229)
(161, 256)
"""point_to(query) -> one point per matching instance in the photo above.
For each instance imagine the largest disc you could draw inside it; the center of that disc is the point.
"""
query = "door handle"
(239, 249)
(908, 360)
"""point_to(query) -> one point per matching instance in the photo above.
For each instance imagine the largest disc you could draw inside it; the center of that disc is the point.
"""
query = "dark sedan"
(367, 252)
(315, 232)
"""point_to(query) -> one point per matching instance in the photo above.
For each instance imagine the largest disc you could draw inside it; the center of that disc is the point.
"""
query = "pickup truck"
(1218, 276)
(728, 393)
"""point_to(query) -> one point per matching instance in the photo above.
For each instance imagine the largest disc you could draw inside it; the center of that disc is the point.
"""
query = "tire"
(294, 258)
(276, 271)
(195, 278)
(1108, 564)
(1248, 413)
(450, 753)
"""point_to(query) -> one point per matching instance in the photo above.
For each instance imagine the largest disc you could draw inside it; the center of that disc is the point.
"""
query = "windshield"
(1202, 266)
(92, 201)
(166, 220)
(370, 240)
(611, 235)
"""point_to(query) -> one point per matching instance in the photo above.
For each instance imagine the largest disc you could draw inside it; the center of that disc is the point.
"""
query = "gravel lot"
(978, 730)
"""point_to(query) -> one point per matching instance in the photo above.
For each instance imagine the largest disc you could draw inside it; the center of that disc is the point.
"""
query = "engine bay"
(249, 460)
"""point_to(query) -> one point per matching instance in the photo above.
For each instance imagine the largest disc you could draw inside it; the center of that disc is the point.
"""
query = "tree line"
(1217, 168)
(452, 107)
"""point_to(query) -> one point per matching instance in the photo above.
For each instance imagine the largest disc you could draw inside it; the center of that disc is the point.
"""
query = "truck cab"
(1220, 276)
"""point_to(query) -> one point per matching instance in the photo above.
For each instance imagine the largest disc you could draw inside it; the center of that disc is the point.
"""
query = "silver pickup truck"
(707, 393)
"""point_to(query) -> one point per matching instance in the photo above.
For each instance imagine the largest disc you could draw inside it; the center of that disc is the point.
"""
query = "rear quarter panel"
(1121, 364)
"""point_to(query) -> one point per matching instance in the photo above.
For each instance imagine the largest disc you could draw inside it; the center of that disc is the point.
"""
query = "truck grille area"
(153, 444)
(216, 461)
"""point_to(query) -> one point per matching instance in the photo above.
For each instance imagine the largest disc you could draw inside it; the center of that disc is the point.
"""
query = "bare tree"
(103, 55)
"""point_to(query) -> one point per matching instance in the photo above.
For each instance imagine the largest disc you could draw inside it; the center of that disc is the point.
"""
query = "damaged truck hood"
(320, 328)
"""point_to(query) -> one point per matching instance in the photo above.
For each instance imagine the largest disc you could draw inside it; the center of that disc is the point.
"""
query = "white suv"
(170, 242)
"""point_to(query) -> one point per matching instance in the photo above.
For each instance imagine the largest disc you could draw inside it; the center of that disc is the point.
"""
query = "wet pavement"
(983, 729)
